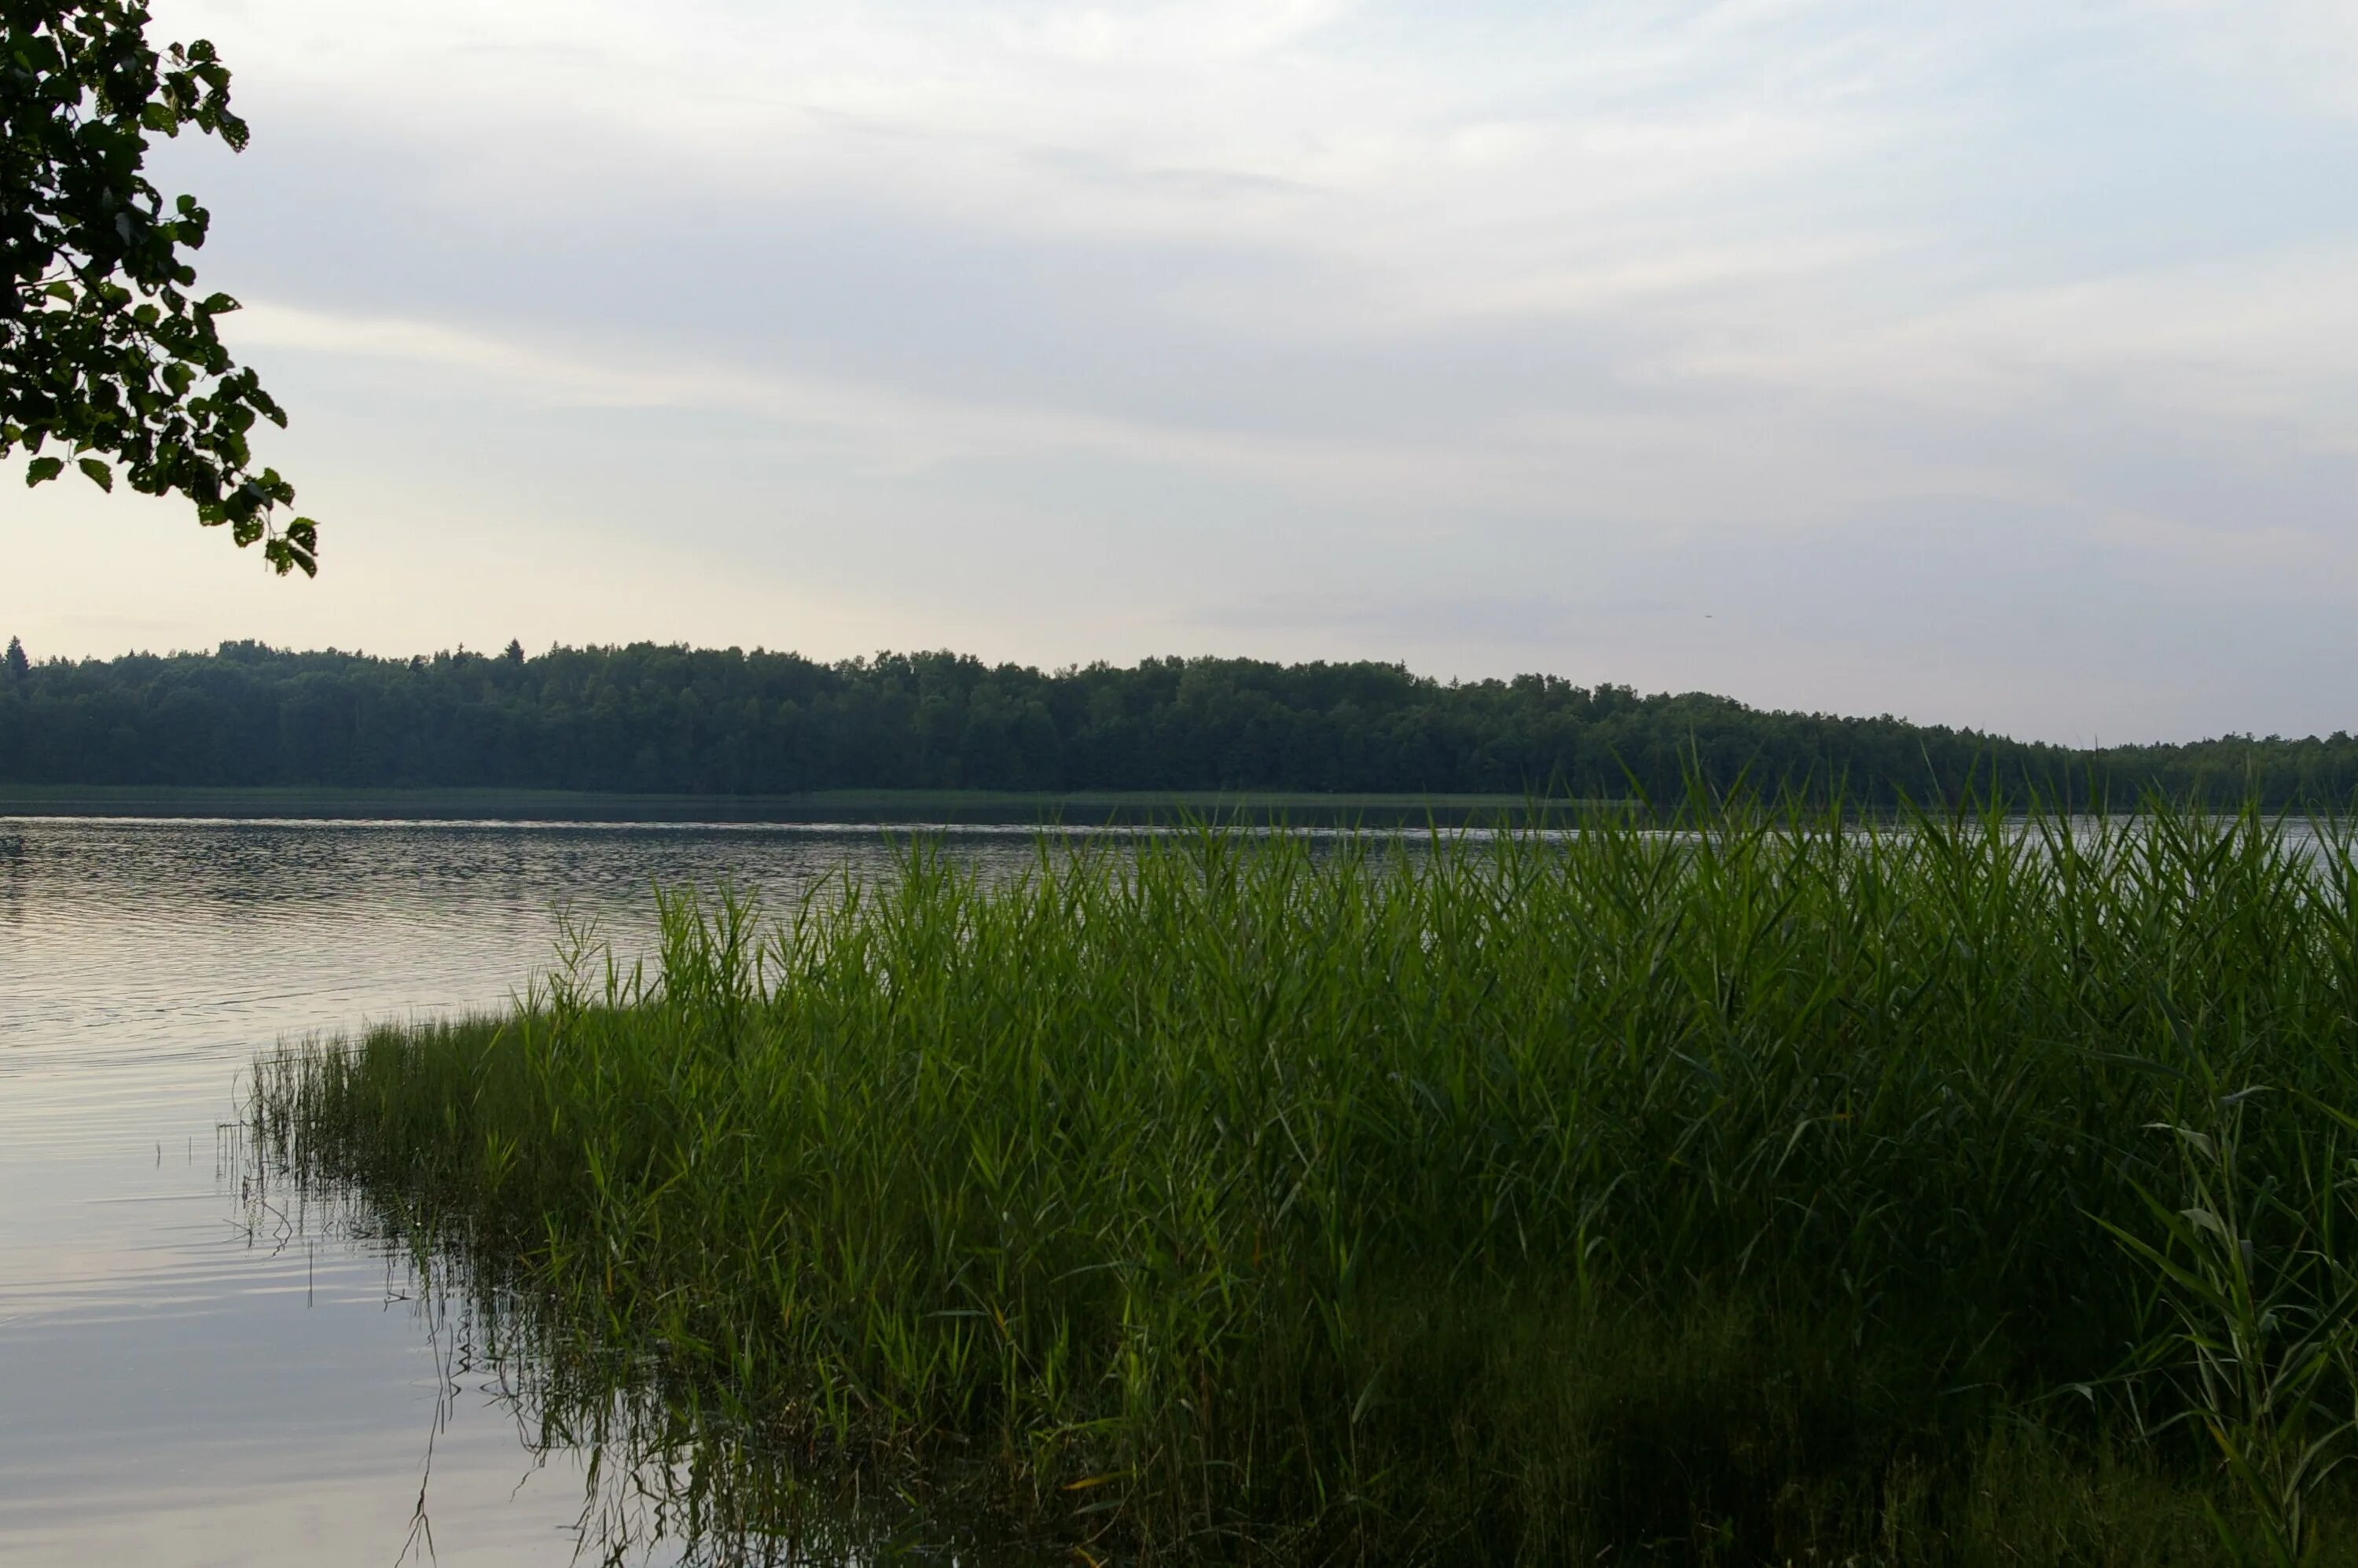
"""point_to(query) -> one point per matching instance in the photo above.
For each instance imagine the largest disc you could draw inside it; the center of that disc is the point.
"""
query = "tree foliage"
(721, 721)
(105, 350)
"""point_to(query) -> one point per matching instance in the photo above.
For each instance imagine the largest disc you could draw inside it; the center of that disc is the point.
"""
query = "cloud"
(1347, 327)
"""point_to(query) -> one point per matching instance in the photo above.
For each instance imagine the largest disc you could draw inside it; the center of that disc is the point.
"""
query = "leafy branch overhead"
(106, 351)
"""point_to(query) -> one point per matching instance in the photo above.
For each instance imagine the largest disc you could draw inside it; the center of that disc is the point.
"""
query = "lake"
(194, 1370)
(180, 1385)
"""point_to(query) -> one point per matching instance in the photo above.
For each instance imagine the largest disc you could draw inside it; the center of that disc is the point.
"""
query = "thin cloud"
(1334, 328)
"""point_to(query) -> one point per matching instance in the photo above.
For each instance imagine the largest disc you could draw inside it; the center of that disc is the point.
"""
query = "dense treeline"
(720, 721)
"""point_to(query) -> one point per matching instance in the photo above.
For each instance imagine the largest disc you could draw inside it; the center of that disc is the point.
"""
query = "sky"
(1990, 364)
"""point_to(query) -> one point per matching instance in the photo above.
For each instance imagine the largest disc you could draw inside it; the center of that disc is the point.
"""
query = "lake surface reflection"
(178, 1386)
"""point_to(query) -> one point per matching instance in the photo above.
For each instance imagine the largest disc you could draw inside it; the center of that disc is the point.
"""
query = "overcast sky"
(1990, 364)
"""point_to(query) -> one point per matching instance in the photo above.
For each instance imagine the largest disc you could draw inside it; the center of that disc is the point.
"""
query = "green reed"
(1767, 1188)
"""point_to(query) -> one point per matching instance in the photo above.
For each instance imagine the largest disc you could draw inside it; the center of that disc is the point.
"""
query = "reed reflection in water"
(663, 1471)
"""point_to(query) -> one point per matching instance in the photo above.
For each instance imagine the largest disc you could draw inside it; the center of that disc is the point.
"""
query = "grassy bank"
(903, 806)
(1758, 1194)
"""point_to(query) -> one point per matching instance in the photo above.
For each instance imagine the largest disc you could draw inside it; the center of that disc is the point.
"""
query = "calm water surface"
(175, 1387)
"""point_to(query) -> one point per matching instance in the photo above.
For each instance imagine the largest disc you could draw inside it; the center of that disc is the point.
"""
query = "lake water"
(177, 1386)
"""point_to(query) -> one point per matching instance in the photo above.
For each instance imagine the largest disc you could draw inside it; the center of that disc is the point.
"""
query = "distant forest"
(669, 719)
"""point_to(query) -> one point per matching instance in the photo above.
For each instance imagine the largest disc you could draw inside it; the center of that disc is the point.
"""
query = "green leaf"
(2208, 1221)
(112, 357)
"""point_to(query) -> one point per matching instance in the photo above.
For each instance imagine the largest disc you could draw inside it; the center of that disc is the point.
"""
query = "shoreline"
(846, 807)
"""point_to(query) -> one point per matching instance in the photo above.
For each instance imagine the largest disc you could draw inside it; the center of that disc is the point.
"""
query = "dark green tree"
(16, 664)
(105, 350)
(723, 721)
(514, 651)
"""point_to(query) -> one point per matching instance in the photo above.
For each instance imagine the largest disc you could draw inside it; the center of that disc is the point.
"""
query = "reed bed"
(1970, 1189)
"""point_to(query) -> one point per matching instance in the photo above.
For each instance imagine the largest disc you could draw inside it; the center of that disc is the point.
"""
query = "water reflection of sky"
(174, 1390)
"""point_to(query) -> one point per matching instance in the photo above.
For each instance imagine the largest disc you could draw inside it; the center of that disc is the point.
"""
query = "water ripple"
(182, 1389)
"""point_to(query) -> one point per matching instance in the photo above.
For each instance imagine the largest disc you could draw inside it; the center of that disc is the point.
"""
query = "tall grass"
(1772, 1188)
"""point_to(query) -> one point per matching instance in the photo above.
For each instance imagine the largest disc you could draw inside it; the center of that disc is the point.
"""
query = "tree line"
(673, 719)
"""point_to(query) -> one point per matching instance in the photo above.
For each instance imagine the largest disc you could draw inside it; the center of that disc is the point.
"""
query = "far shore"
(879, 807)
